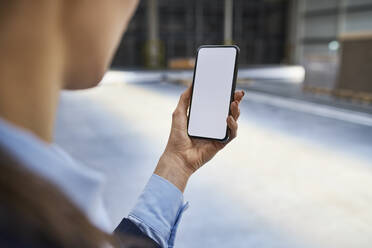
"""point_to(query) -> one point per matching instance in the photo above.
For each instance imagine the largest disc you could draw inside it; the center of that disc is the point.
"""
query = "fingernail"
(243, 92)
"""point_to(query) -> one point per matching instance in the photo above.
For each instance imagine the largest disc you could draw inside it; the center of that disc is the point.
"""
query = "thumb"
(184, 101)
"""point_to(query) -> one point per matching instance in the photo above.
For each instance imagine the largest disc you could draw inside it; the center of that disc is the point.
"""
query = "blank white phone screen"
(213, 81)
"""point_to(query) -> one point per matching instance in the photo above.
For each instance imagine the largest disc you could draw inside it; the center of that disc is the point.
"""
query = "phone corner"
(237, 48)
(200, 47)
(188, 133)
(224, 139)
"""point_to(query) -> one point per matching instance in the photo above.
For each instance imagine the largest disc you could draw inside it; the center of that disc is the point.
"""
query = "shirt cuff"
(158, 210)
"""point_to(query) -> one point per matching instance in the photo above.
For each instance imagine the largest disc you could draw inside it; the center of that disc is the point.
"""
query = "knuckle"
(175, 113)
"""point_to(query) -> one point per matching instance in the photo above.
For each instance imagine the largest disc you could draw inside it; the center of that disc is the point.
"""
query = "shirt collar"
(83, 185)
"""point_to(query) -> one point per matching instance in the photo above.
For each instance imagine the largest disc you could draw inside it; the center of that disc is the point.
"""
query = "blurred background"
(300, 172)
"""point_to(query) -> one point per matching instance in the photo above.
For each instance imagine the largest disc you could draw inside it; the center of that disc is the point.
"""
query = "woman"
(47, 198)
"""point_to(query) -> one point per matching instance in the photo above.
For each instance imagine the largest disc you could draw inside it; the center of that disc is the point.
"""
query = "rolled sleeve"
(158, 210)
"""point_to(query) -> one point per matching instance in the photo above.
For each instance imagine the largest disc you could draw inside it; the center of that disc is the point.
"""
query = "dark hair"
(35, 213)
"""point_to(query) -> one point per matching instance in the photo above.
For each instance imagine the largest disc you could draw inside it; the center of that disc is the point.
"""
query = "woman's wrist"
(172, 168)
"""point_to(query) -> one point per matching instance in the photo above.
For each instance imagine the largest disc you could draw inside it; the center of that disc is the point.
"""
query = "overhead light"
(333, 45)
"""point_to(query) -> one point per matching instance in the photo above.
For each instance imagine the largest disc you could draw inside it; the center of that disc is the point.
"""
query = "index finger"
(238, 96)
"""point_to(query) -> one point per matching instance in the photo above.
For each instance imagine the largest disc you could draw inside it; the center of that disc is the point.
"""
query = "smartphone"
(213, 90)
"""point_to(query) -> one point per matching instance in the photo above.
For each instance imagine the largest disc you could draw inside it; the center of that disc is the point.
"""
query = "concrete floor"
(294, 177)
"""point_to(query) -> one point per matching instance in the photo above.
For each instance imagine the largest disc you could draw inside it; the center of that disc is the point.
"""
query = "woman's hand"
(184, 155)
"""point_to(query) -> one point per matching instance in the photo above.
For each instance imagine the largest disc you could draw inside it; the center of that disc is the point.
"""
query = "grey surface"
(291, 179)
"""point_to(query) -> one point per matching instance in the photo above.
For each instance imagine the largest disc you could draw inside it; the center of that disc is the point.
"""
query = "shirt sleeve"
(158, 211)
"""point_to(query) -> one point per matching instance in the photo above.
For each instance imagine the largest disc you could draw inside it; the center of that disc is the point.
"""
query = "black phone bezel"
(232, 88)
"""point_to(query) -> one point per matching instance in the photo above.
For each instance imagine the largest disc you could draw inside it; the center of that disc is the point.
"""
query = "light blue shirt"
(158, 209)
